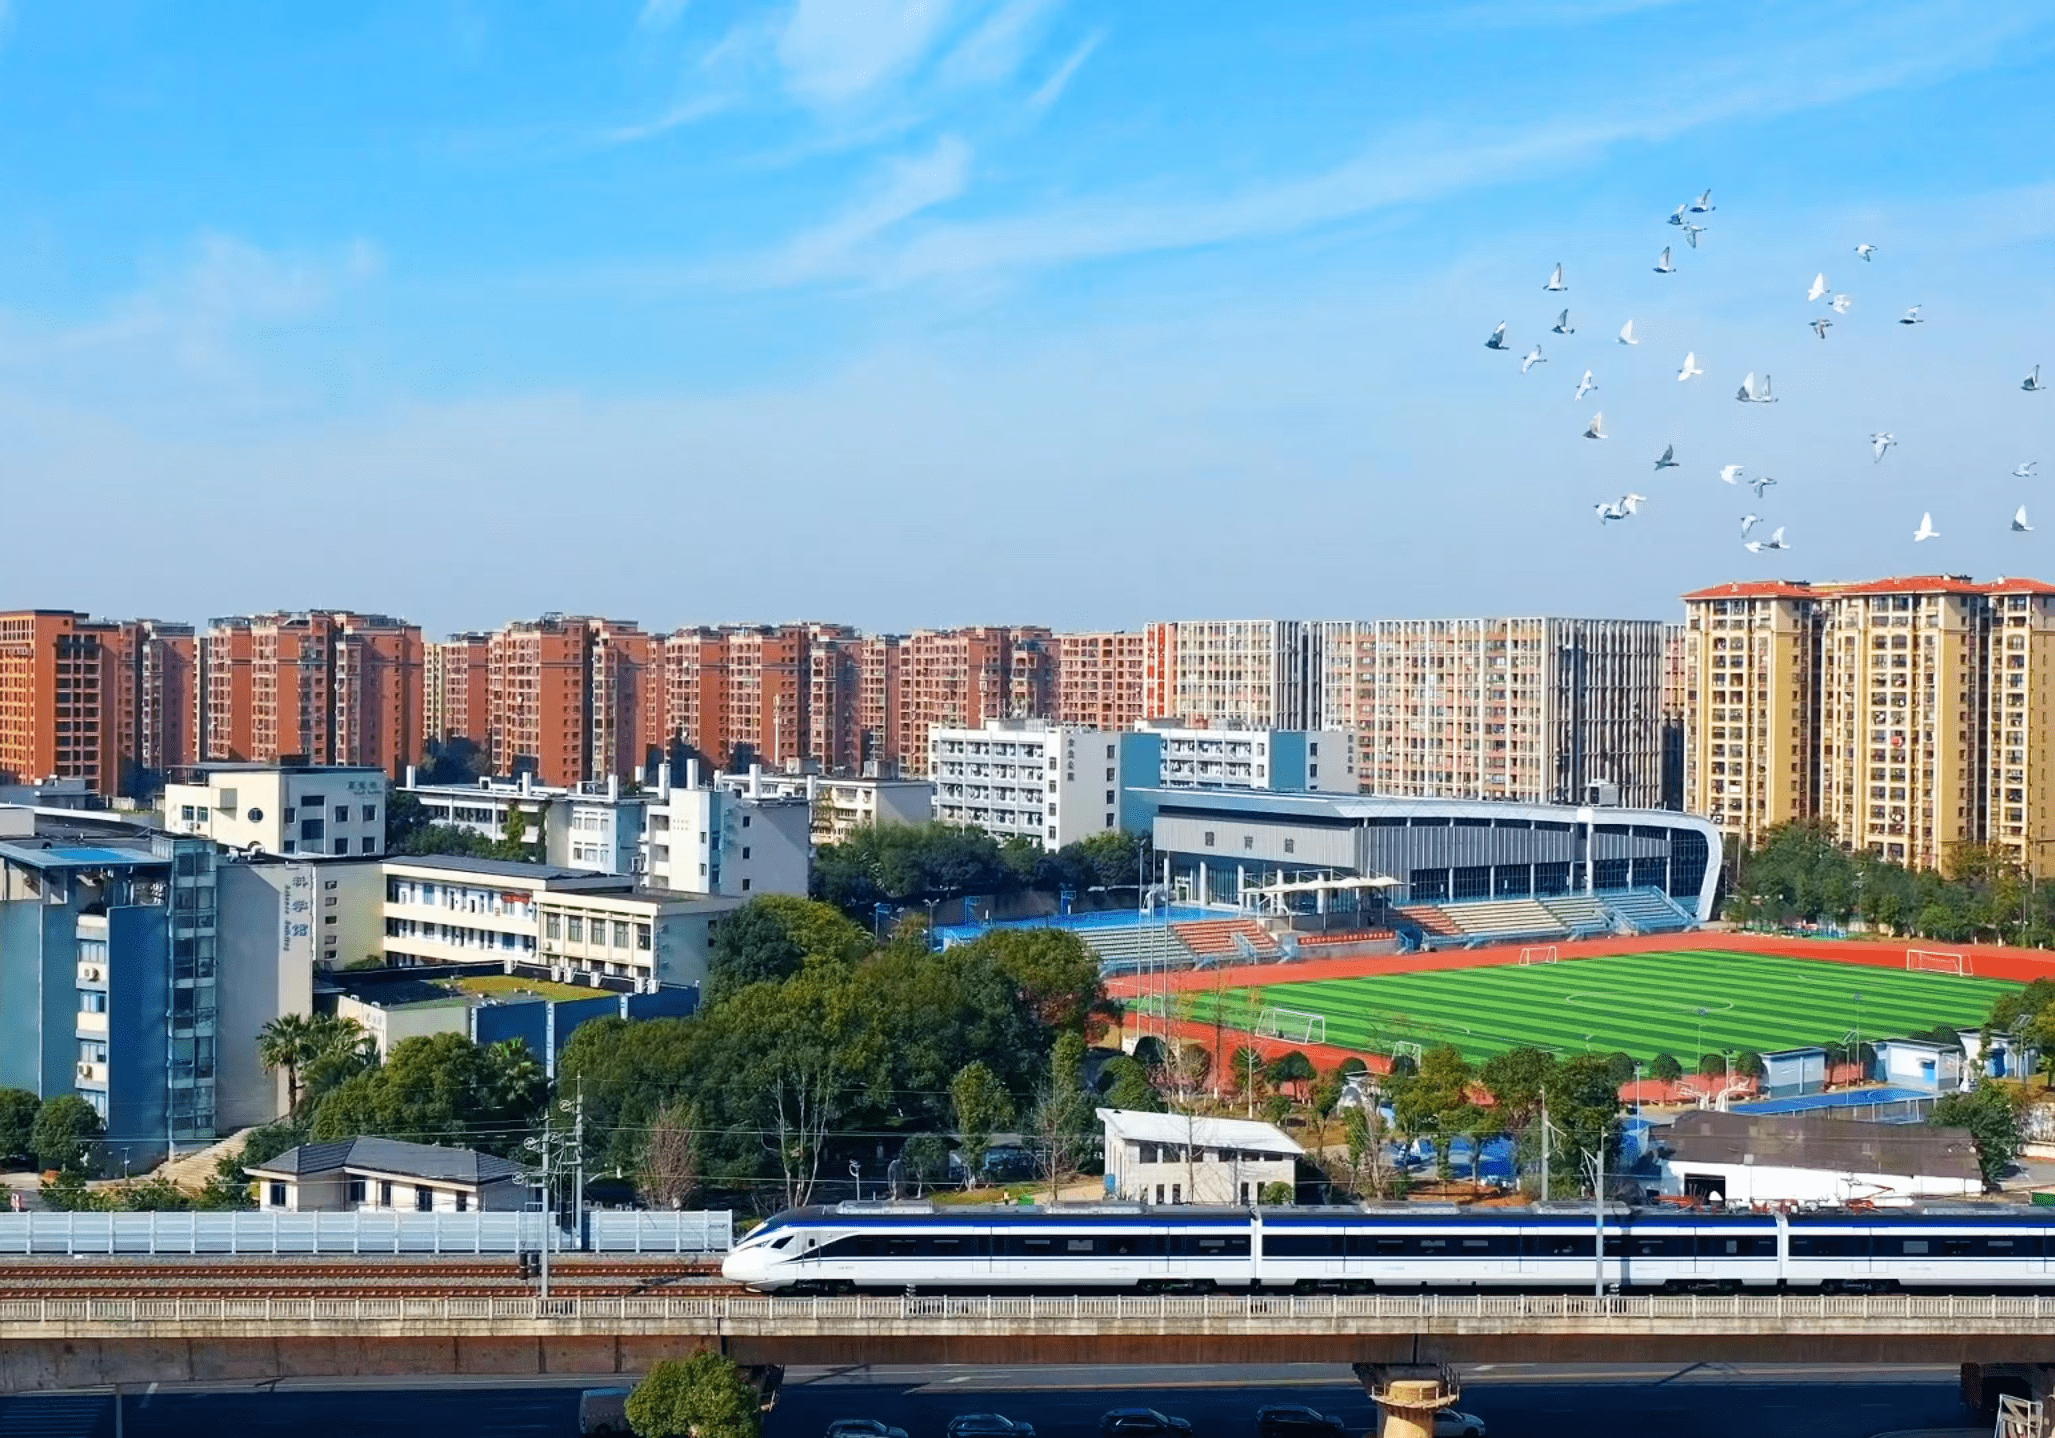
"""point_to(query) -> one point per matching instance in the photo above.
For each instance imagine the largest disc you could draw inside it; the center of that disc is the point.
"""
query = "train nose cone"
(743, 1266)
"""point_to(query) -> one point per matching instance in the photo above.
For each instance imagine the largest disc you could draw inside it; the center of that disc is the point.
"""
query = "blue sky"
(940, 311)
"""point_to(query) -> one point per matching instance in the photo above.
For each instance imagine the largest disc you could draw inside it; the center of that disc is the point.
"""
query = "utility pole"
(578, 1140)
(549, 1215)
(1598, 1218)
(1544, 1145)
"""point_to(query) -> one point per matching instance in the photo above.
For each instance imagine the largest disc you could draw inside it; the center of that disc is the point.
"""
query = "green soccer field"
(1685, 1004)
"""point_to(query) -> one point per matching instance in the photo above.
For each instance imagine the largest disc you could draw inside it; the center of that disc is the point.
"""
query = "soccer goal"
(1296, 1025)
(1405, 1049)
(1936, 961)
(1538, 954)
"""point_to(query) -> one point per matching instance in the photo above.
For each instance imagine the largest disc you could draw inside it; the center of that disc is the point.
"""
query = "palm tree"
(287, 1042)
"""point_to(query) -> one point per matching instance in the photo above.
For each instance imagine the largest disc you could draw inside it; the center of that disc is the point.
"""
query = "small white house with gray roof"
(1173, 1158)
(388, 1174)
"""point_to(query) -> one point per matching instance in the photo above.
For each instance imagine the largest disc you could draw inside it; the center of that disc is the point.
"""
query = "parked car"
(988, 1425)
(1448, 1423)
(1142, 1423)
(1289, 1420)
(603, 1412)
(863, 1428)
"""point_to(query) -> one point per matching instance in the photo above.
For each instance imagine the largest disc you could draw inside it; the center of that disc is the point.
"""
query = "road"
(1517, 1401)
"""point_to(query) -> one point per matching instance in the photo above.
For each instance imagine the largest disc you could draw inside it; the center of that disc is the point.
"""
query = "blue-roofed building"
(1263, 850)
(136, 967)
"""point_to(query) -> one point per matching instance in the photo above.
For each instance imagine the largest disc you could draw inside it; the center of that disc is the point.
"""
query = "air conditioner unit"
(92, 974)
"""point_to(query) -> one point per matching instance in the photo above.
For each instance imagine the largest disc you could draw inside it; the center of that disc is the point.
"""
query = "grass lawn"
(1684, 1004)
(515, 984)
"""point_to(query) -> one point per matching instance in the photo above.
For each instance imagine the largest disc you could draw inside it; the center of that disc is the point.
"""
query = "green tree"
(1291, 1067)
(704, 1396)
(285, 1043)
(1990, 1112)
(1748, 1064)
(1666, 1068)
(17, 1123)
(925, 1159)
(1061, 1120)
(440, 1088)
(65, 1129)
(1280, 1194)
(1128, 1086)
(1712, 1065)
(1516, 1081)
(668, 1174)
(1056, 971)
(982, 1106)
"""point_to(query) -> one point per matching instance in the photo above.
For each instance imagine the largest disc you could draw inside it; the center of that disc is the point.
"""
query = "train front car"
(762, 1260)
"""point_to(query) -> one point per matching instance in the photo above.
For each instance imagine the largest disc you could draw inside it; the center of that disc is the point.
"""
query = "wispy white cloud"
(911, 186)
(994, 51)
(1051, 90)
(837, 51)
(1430, 160)
(660, 15)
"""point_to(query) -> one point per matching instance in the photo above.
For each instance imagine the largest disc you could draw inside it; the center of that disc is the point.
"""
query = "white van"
(604, 1410)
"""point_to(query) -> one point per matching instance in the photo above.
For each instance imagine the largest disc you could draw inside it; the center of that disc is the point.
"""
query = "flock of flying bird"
(1749, 392)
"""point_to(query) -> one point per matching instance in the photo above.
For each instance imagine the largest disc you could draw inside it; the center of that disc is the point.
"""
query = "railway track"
(358, 1278)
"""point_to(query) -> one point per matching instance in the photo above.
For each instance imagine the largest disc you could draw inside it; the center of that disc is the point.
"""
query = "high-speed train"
(901, 1246)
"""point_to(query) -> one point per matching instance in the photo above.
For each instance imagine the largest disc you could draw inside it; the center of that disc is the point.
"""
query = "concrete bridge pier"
(2030, 1387)
(1408, 1395)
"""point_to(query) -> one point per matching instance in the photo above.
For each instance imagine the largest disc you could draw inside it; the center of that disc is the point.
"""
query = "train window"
(1026, 1246)
(1132, 1245)
(949, 1247)
(1376, 1245)
(1648, 1245)
(1302, 1245)
(902, 1247)
(1830, 1245)
(1079, 1245)
(1214, 1245)
(1760, 1245)
(1556, 1245)
(780, 1243)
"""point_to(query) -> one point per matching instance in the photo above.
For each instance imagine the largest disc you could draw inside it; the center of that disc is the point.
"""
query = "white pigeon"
(1597, 430)
(1761, 484)
(1926, 530)
(1690, 366)
(2019, 524)
(1880, 442)
(1775, 541)
(1691, 234)
(1839, 303)
(1748, 522)
(1911, 317)
(1751, 394)
(1585, 385)
(1555, 280)
(1627, 334)
(1562, 326)
(1677, 215)
(1663, 265)
(1619, 509)
(1821, 325)
(1669, 459)
(2025, 471)
(1819, 287)
(1534, 357)
(1498, 338)
(1865, 249)
(1729, 473)
(1703, 205)
(2032, 383)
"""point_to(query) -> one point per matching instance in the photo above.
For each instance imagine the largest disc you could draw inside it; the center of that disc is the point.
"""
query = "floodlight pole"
(1544, 1145)
(1598, 1219)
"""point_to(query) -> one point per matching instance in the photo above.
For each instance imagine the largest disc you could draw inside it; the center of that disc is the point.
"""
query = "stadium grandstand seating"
(1430, 920)
(1215, 938)
(1581, 914)
(1505, 919)
(1650, 911)
(1131, 946)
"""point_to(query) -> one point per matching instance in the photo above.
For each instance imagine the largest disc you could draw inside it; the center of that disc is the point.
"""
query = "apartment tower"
(322, 687)
(1101, 680)
(109, 703)
(457, 691)
(1911, 714)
